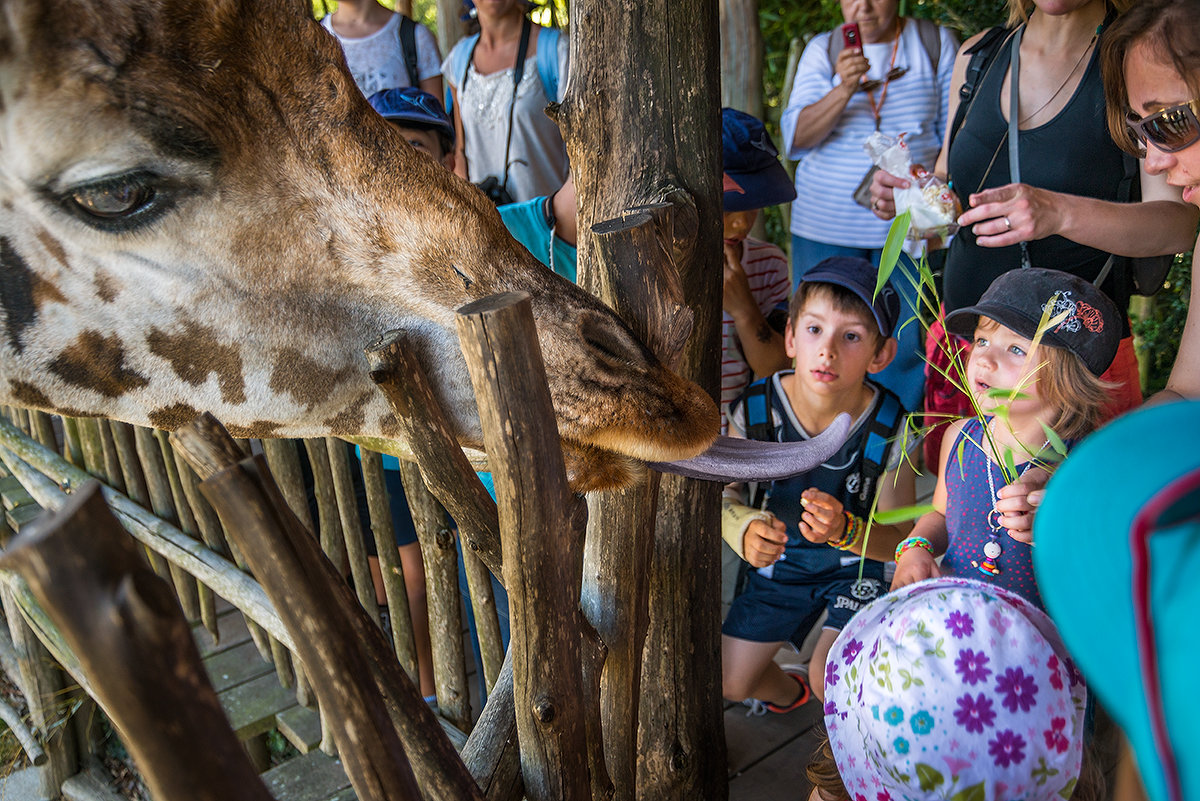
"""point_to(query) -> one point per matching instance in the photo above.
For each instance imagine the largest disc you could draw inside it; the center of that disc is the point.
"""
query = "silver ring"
(874, 205)
(1007, 224)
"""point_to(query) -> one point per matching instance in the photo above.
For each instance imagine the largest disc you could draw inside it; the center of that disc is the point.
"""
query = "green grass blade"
(904, 513)
(891, 249)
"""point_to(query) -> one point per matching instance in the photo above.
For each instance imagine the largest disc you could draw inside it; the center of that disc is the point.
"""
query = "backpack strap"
(547, 62)
(881, 432)
(931, 40)
(760, 426)
(460, 59)
(408, 48)
(983, 54)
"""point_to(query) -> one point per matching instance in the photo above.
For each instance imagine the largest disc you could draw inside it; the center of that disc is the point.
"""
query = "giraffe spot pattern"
(96, 362)
(27, 395)
(308, 381)
(351, 419)
(195, 352)
(260, 429)
(16, 294)
(172, 417)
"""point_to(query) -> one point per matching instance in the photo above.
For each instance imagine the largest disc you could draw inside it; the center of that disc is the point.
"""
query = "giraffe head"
(200, 212)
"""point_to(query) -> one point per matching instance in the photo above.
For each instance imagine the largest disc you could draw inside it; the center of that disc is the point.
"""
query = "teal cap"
(1118, 565)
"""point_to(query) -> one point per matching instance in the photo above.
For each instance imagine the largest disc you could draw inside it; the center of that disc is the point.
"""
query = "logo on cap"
(1079, 315)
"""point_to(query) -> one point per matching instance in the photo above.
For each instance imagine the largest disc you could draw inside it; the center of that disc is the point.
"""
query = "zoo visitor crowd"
(1057, 155)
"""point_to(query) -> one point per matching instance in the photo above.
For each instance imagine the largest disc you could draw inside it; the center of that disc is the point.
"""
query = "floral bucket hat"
(954, 689)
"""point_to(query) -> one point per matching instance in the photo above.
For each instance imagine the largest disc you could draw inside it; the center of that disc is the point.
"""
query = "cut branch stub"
(638, 275)
(123, 624)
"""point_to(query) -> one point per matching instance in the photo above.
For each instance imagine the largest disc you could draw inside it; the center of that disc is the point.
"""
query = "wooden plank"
(749, 740)
(316, 776)
(232, 631)
(252, 706)
(234, 666)
(12, 494)
(780, 774)
(22, 516)
(301, 727)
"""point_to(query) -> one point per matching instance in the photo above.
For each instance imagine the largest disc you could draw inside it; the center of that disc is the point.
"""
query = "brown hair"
(842, 300)
(1169, 27)
(1064, 383)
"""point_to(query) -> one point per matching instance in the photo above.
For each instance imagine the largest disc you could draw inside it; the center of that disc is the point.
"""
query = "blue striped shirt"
(828, 173)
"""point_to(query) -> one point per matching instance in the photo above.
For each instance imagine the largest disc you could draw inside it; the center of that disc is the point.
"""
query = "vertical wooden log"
(43, 683)
(741, 56)
(205, 600)
(157, 487)
(112, 463)
(93, 450)
(43, 429)
(185, 585)
(131, 468)
(284, 460)
(543, 573)
(626, 152)
(394, 586)
(487, 623)
(329, 524)
(352, 534)
(441, 582)
(72, 447)
(491, 753)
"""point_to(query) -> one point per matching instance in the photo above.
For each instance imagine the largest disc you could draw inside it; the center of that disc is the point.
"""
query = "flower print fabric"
(953, 686)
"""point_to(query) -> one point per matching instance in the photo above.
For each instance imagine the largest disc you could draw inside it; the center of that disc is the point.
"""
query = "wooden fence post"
(542, 524)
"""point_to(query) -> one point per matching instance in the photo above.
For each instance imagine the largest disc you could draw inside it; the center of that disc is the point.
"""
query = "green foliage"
(1159, 328)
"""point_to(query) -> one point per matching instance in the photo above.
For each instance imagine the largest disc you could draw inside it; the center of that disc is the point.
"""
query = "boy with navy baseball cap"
(420, 118)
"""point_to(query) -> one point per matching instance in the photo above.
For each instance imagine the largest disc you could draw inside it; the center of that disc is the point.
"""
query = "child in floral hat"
(952, 688)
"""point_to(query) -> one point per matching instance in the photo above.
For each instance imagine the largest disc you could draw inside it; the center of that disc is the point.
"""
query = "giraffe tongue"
(733, 459)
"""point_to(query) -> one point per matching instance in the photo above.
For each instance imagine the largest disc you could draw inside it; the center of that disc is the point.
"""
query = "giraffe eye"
(122, 202)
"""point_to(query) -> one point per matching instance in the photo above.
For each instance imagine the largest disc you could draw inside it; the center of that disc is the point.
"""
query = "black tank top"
(1073, 153)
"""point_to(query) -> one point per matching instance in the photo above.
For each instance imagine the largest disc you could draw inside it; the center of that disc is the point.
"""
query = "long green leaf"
(891, 249)
(900, 515)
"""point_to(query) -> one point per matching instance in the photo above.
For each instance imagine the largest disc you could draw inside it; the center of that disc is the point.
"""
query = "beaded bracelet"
(910, 543)
(852, 536)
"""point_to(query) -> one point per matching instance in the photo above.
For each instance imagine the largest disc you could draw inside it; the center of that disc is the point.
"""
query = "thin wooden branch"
(29, 743)
(543, 543)
(492, 752)
(444, 467)
(311, 593)
(124, 625)
(487, 622)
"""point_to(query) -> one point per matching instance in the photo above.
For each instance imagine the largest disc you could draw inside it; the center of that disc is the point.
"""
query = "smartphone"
(851, 37)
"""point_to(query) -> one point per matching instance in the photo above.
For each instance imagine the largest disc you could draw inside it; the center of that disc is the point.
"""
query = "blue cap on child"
(411, 105)
(750, 159)
(859, 276)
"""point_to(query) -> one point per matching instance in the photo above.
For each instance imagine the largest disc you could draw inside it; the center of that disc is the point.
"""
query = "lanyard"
(877, 108)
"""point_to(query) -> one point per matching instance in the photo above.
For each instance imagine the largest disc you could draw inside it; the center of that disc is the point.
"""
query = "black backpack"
(408, 47)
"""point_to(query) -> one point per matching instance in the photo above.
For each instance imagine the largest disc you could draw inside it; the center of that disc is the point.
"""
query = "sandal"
(801, 699)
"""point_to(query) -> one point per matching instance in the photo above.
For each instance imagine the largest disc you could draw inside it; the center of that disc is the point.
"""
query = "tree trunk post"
(542, 524)
(641, 123)
(741, 57)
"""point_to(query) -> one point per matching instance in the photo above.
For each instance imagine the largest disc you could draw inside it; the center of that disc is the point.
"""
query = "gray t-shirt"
(537, 158)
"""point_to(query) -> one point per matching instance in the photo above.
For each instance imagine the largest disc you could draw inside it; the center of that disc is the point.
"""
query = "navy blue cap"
(1091, 328)
(749, 157)
(411, 105)
(859, 276)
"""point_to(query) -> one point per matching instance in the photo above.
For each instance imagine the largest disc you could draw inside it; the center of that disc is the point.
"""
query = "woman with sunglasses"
(878, 72)
(1067, 207)
(1151, 60)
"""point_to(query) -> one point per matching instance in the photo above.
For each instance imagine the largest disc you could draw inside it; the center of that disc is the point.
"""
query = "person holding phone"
(878, 72)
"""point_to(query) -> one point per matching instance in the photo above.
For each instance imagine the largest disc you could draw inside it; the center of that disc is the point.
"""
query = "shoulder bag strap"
(1014, 114)
(518, 73)
(408, 48)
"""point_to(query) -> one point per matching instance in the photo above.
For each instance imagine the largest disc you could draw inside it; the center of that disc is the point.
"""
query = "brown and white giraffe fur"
(278, 227)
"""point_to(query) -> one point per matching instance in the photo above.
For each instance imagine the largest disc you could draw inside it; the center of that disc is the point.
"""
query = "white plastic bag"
(933, 204)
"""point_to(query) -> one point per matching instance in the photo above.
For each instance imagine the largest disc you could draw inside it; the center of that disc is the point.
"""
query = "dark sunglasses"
(875, 83)
(1170, 130)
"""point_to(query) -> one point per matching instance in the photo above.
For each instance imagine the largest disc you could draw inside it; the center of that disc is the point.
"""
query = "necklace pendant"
(991, 552)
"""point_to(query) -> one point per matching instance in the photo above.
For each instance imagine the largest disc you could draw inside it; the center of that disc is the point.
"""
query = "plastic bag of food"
(933, 205)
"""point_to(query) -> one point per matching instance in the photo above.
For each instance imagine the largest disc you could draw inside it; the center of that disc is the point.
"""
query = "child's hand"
(1017, 503)
(822, 519)
(763, 542)
(736, 297)
(916, 564)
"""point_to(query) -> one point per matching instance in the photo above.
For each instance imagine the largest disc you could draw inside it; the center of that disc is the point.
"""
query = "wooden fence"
(155, 494)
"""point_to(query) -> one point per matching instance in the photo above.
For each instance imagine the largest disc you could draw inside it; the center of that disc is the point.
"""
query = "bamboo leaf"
(900, 515)
(891, 249)
(1056, 442)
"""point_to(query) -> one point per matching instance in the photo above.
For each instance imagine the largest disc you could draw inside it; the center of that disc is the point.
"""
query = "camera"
(496, 191)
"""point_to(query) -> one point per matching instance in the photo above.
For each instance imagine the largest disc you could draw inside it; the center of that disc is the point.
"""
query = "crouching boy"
(804, 537)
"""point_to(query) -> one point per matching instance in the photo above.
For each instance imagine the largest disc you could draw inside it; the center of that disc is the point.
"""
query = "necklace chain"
(995, 527)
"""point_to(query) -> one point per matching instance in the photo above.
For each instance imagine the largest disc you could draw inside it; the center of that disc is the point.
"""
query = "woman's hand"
(1011, 214)
(883, 193)
(852, 65)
